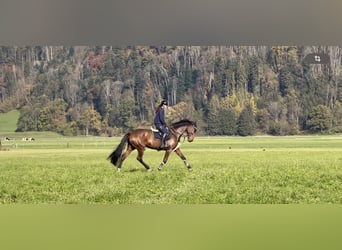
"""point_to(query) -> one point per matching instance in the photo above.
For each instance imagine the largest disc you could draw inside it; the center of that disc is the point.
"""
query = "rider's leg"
(163, 130)
(163, 146)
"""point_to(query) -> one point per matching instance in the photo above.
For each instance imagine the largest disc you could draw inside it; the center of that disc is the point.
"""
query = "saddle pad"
(158, 136)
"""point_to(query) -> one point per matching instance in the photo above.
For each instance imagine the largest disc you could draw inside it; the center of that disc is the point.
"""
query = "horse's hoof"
(190, 169)
(118, 170)
(149, 170)
(159, 169)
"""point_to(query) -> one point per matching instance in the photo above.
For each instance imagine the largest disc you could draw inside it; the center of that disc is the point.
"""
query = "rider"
(159, 122)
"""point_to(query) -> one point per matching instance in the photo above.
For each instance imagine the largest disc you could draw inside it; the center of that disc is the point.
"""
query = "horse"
(139, 139)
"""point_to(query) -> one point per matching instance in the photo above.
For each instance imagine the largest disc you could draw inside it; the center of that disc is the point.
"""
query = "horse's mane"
(184, 122)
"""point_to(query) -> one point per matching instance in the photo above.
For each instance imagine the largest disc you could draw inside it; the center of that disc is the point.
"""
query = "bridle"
(180, 134)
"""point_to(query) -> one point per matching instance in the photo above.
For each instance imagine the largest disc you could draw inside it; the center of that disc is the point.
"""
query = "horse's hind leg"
(140, 159)
(124, 156)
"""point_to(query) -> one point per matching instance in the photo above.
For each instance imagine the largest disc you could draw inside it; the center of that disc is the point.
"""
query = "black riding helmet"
(163, 103)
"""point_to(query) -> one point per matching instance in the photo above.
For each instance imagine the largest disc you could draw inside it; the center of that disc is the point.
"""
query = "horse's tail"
(116, 154)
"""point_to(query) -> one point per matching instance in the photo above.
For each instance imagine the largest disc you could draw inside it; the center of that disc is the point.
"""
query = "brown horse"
(139, 139)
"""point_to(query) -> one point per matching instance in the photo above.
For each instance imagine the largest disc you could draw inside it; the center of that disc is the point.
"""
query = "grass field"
(231, 170)
(8, 121)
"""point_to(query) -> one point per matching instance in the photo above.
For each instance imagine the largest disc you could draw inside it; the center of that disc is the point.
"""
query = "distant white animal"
(28, 139)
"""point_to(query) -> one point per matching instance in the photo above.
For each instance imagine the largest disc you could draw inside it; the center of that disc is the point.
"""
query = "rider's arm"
(162, 117)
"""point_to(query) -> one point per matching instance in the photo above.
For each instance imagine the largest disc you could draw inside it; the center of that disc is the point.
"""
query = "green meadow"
(226, 170)
(8, 121)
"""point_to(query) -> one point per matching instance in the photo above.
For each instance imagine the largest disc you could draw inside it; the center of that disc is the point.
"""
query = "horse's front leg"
(166, 157)
(180, 154)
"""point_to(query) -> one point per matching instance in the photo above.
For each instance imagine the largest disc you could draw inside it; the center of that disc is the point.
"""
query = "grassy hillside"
(8, 121)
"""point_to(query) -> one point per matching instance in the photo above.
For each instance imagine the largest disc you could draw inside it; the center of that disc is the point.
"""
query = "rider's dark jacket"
(159, 121)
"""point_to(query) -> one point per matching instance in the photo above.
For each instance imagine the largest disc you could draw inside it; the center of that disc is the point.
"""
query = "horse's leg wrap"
(161, 165)
(187, 165)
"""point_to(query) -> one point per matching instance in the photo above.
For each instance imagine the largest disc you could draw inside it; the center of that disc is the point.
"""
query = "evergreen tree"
(320, 119)
(246, 122)
(253, 75)
(228, 121)
(337, 114)
(214, 126)
(123, 84)
(285, 81)
(242, 79)
(263, 119)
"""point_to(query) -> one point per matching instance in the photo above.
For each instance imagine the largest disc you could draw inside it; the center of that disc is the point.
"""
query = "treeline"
(228, 90)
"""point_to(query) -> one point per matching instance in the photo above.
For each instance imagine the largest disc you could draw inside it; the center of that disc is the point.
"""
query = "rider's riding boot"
(163, 146)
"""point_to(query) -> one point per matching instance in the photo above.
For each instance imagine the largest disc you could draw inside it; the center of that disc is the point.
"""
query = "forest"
(228, 90)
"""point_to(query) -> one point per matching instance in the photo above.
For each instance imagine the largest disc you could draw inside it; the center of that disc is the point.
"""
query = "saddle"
(158, 136)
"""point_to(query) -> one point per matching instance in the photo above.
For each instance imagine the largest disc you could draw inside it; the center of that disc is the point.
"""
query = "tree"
(228, 113)
(90, 122)
(182, 110)
(228, 121)
(285, 81)
(242, 78)
(123, 84)
(53, 116)
(213, 116)
(253, 75)
(246, 122)
(126, 109)
(320, 119)
(28, 119)
(263, 119)
(337, 115)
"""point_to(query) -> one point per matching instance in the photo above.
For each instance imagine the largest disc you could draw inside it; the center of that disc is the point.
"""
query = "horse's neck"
(179, 131)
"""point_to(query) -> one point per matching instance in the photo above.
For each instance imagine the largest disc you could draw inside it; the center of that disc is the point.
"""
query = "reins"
(179, 135)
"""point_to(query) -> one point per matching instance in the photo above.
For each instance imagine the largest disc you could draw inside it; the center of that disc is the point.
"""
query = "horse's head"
(191, 131)
(185, 126)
